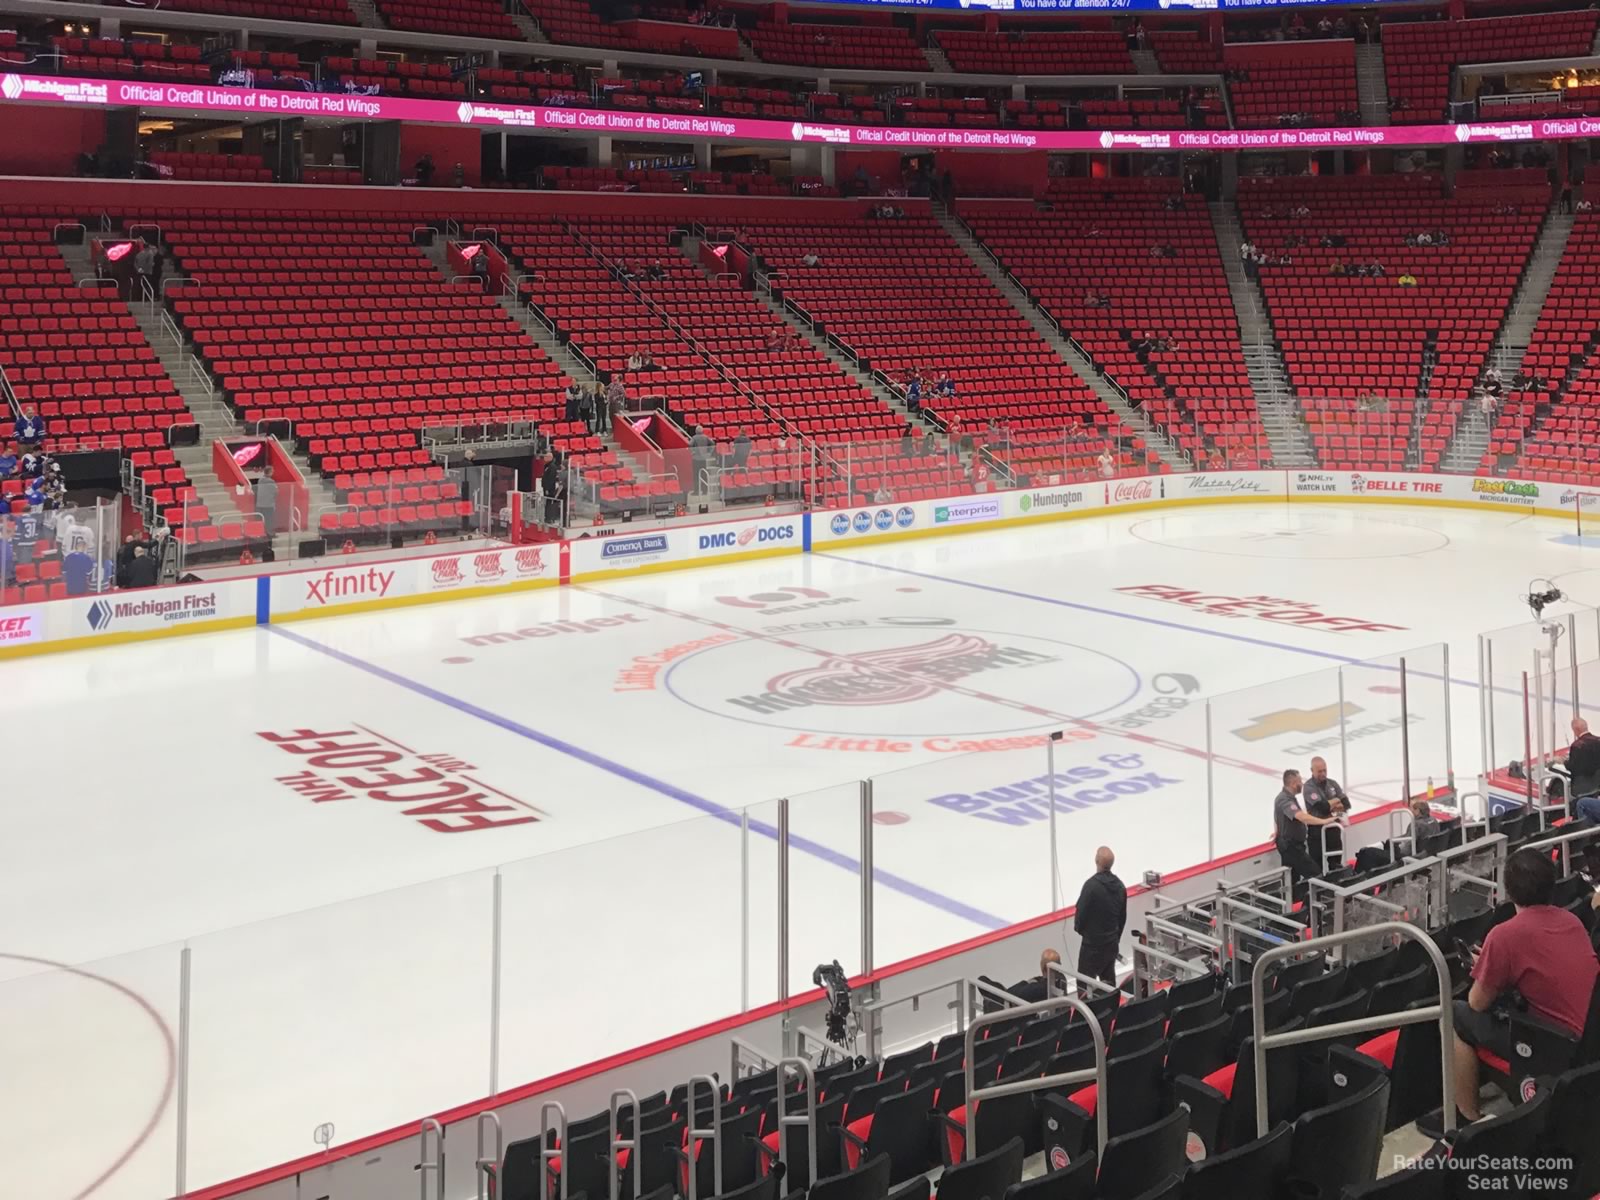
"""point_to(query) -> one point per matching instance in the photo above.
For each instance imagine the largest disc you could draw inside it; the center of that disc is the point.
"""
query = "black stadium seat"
(898, 1128)
(1135, 1162)
(1339, 1145)
(870, 1181)
(1075, 1181)
(1257, 1168)
(985, 1177)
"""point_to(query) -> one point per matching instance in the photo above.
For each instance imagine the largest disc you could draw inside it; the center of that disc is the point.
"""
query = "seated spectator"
(1336, 267)
(914, 393)
(8, 461)
(809, 259)
(1423, 823)
(1583, 768)
(1096, 299)
(648, 363)
(883, 495)
(30, 431)
(657, 271)
(635, 361)
(1406, 280)
(1107, 464)
(1542, 955)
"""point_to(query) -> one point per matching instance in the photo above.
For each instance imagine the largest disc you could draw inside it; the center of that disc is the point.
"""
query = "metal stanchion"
(866, 876)
(1405, 736)
(783, 899)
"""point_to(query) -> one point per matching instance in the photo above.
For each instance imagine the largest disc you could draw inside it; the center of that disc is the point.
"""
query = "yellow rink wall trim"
(94, 641)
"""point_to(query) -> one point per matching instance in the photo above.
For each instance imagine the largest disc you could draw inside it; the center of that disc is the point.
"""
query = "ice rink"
(318, 810)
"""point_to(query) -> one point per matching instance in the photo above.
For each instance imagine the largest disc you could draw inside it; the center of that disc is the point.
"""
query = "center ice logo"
(897, 675)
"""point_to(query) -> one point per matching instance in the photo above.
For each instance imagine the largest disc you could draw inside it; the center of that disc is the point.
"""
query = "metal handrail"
(170, 328)
(434, 1168)
(173, 281)
(138, 225)
(808, 1117)
(630, 1144)
(548, 1152)
(1053, 969)
(486, 1169)
(694, 1135)
(1023, 1086)
(99, 281)
(1441, 1012)
(60, 225)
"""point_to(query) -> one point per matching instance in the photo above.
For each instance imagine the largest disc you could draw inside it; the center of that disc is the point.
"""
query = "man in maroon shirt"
(1543, 953)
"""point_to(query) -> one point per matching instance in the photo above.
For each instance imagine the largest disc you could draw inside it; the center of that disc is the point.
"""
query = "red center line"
(971, 693)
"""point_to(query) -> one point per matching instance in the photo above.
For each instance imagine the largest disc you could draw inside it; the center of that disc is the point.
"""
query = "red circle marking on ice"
(908, 589)
(172, 1060)
(890, 818)
(1384, 689)
(459, 658)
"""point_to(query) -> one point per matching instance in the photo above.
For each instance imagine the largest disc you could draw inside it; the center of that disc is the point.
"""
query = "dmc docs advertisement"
(688, 544)
(333, 586)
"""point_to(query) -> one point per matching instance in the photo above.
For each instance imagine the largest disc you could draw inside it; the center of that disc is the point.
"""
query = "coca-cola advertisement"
(1133, 491)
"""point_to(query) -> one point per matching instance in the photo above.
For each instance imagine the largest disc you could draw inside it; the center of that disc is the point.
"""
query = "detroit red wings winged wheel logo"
(894, 676)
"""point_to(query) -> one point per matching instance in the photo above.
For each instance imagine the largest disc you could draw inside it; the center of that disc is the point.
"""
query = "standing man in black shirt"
(1289, 825)
(1323, 797)
(1101, 914)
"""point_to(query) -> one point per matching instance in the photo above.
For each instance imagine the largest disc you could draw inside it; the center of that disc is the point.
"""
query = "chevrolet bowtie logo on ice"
(11, 87)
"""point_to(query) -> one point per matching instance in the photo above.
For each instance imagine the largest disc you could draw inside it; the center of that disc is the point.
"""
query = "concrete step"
(530, 28)
(1146, 62)
(367, 14)
(1113, 398)
(936, 58)
(1269, 378)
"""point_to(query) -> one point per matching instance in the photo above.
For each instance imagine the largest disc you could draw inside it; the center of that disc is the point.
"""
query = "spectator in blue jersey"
(8, 462)
(77, 570)
(30, 429)
(944, 385)
(914, 393)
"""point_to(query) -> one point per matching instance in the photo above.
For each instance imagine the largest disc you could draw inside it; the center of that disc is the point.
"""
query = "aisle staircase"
(1287, 434)
(1471, 441)
(1111, 396)
(1372, 85)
